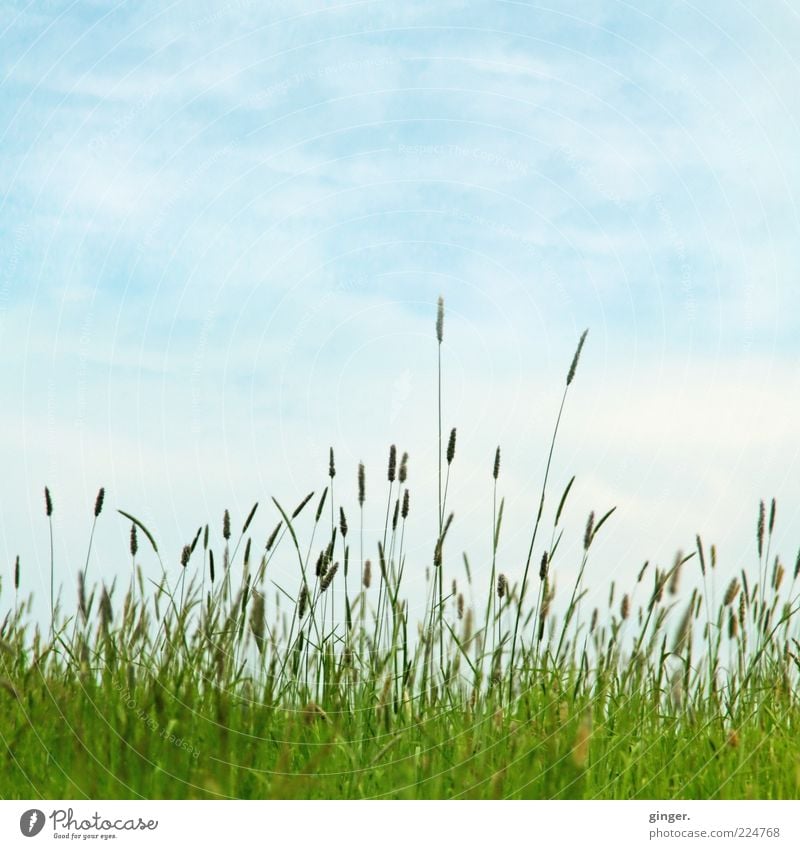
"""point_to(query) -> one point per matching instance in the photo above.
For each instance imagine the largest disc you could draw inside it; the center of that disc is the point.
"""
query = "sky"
(224, 228)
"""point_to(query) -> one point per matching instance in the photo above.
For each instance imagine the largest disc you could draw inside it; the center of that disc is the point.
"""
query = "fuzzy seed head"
(321, 504)
(272, 536)
(440, 320)
(502, 585)
(733, 625)
(675, 580)
(392, 470)
(299, 509)
(362, 485)
(258, 620)
(451, 446)
(331, 465)
(16, 574)
(625, 607)
(367, 577)
(48, 502)
(226, 525)
(732, 592)
(342, 522)
(106, 614)
(98, 504)
(574, 365)
(328, 577)
(760, 528)
(82, 608)
(134, 541)
(185, 555)
(404, 509)
(402, 475)
(302, 601)
(496, 470)
(543, 567)
(771, 524)
(211, 566)
(587, 536)
(699, 543)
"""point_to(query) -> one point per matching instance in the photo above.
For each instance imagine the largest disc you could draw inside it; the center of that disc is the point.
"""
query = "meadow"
(217, 681)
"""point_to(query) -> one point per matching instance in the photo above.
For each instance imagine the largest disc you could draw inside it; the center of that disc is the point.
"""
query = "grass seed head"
(404, 509)
(82, 608)
(733, 625)
(367, 577)
(362, 485)
(675, 579)
(48, 502)
(273, 535)
(328, 577)
(502, 585)
(403, 473)
(258, 620)
(587, 536)
(771, 523)
(391, 472)
(299, 509)
(16, 574)
(451, 446)
(700, 554)
(331, 465)
(226, 525)
(211, 566)
(134, 541)
(396, 514)
(760, 528)
(732, 592)
(440, 320)
(98, 503)
(342, 522)
(496, 470)
(321, 505)
(185, 555)
(574, 365)
(625, 607)
(106, 614)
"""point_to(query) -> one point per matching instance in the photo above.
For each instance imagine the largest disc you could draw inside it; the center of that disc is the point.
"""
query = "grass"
(216, 681)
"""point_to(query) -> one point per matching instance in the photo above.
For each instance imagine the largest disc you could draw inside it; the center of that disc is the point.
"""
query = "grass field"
(216, 682)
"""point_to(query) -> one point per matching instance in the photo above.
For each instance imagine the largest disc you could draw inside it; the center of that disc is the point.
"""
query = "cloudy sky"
(225, 227)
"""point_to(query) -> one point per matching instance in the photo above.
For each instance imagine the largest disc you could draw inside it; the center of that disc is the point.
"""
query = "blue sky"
(225, 226)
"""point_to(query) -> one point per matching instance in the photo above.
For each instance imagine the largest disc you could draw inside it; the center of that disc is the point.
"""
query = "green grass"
(215, 681)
